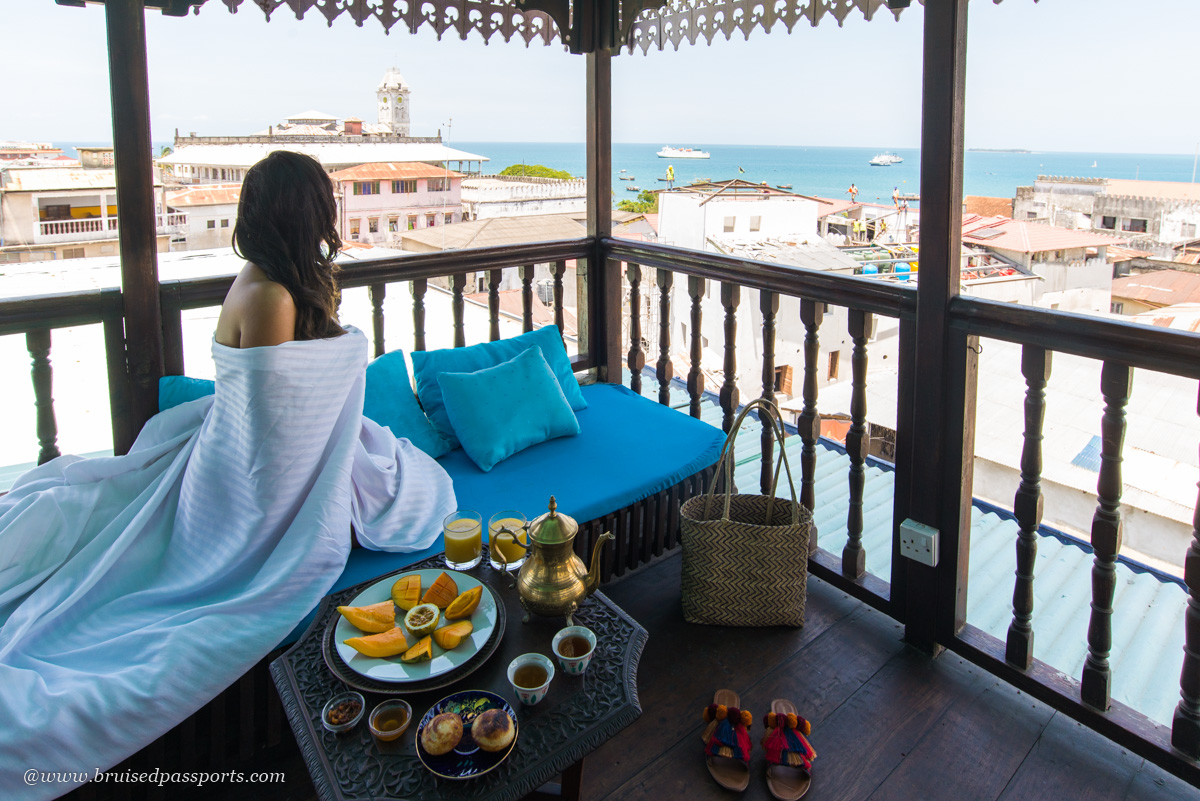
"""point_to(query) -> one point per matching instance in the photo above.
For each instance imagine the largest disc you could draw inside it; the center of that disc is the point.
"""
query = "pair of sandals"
(727, 746)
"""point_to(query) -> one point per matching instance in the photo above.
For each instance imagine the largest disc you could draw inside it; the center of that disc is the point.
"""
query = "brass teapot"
(553, 581)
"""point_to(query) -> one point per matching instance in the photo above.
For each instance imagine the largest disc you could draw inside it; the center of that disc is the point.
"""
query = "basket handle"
(768, 415)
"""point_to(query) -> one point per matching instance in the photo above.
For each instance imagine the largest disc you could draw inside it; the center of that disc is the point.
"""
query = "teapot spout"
(593, 575)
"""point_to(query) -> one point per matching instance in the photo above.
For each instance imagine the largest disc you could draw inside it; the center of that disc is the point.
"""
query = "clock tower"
(393, 99)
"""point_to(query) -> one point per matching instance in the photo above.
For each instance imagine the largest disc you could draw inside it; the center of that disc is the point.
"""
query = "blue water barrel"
(870, 269)
(902, 271)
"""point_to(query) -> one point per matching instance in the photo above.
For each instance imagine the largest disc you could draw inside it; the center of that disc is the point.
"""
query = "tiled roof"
(1028, 237)
(1119, 254)
(1181, 317)
(1147, 625)
(1159, 288)
(393, 171)
(1169, 190)
(205, 195)
(988, 206)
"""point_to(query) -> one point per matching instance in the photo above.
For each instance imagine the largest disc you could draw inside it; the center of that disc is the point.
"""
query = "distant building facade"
(517, 196)
(211, 213)
(378, 203)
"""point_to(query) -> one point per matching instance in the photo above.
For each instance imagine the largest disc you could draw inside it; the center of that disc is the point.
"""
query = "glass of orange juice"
(502, 528)
(463, 532)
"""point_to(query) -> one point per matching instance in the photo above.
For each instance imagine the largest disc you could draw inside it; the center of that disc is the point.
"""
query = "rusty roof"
(988, 206)
(393, 171)
(1180, 317)
(1159, 288)
(1117, 253)
(1028, 237)
(205, 195)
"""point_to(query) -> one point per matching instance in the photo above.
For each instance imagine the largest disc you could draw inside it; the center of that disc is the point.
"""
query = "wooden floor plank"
(1152, 783)
(992, 732)
(1071, 761)
(818, 678)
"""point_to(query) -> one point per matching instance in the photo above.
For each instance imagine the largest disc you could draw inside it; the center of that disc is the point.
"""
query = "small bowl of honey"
(390, 719)
(530, 675)
(574, 647)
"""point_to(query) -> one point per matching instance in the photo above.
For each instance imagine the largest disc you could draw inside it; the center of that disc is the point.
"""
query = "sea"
(822, 171)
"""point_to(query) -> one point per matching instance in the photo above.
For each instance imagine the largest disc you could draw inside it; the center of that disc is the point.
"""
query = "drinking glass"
(502, 527)
(463, 532)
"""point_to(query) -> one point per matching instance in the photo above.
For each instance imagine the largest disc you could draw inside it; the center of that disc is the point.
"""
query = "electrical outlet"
(919, 542)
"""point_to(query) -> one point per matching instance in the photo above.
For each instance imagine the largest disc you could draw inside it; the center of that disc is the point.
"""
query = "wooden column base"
(569, 786)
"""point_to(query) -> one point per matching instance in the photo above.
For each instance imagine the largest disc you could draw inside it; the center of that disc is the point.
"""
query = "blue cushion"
(176, 389)
(390, 402)
(428, 364)
(628, 448)
(501, 410)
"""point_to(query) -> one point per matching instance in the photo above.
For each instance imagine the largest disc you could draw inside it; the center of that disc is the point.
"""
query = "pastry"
(442, 733)
(493, 730)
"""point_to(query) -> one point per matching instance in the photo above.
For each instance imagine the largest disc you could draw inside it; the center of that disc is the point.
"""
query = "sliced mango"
(442, 592)
(449, 637)
(464, 604)
(376, 617)
(421, 652)
(389, 643)
(406, 592)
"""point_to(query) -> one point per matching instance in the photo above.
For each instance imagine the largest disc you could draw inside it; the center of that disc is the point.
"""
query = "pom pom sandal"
(727, 740)
(789, 754)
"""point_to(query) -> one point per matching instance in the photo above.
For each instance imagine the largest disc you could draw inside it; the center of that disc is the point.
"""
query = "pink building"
(379, 202)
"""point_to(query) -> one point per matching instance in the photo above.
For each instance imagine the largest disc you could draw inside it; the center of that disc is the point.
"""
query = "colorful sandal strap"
(785, 742)
(728, 732)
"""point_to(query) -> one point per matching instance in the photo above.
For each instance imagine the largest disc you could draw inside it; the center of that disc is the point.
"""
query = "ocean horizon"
(817, 170)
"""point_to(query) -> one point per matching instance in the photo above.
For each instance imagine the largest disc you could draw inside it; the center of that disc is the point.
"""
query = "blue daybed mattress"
(628, 448)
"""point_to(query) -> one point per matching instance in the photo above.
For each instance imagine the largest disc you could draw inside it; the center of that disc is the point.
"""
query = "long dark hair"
(287, 226)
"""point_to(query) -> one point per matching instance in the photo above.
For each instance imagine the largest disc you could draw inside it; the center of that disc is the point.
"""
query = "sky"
(1118, 77)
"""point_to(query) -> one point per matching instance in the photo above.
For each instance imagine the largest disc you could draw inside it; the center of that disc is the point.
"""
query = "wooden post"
(768, 304)
(526, 273)
(854, 558)
(37, 342)
(458, 283)
(663, 370)
(494, 279)
(731, 296)
(695, 382)
(137, 227)
(378, 292)
(809, 425)
(600, 326)
(943, 422)
(1185, 725)
(1027, 506)
(637, 356)
(419, 286)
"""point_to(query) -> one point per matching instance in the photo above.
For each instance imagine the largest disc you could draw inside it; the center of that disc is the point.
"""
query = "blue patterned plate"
(467, 760)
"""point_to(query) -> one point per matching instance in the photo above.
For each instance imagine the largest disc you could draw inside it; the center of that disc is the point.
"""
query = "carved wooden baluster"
(663, 370)
(418, 293)
(695, 375)
(854, 558)
(731, 296)
(378, 293)
(637, 356)
(38, 344)
(809, 425)
(494, 279)
(457, 284)
(560, 269)
(1035, 366)
(526, 297)
(768, 302)
(1185, 727)
(1116, 383)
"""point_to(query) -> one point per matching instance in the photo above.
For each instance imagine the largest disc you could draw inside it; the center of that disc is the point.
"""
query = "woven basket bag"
(745, 558)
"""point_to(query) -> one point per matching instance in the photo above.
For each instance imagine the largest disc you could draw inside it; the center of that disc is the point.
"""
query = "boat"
(622, 171)
(666, 179)
(632, 188)
(669, 152)
(625, 177)
(886, 159)
(783, 186)
(1093, 165)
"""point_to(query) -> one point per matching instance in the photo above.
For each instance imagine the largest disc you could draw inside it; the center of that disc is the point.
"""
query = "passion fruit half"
(422, 619)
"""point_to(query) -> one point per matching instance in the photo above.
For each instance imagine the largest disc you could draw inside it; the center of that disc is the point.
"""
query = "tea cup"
(577, 663)
(530, 695)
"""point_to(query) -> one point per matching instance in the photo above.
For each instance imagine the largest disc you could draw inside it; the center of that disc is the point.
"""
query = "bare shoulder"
(257, 312)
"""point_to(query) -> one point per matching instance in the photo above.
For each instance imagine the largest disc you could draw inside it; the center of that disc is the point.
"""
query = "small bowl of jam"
(390, 719)
(343, 712)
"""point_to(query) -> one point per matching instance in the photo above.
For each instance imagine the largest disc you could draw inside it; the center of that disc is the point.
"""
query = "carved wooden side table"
(578, 714)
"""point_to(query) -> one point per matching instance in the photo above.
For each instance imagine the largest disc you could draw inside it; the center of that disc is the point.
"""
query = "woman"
(133, 589)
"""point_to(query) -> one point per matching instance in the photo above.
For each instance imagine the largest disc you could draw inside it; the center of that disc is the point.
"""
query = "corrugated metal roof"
(392, 171)
(1181, 317)
(1028, 237)
(1167, 190)
(1147, 652)
(498, 231)
(1159, 288)
(988, 206)
(204, 195)
(796, 250)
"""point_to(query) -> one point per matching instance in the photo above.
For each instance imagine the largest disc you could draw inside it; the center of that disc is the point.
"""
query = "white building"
(518, 196)
(211, 212)
(689, 216)
(378, 203)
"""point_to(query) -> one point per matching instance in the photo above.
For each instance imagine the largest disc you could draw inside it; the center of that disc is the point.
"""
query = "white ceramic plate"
(391, 669)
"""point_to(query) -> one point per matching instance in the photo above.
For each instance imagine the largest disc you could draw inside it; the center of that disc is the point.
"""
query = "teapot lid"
(553, 527)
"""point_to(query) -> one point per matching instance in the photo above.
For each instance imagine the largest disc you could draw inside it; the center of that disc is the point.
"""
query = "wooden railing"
(1123, 347)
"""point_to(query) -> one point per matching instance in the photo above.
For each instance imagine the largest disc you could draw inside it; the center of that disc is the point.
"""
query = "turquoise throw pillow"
(427, 365)
(390, 402)
(501, 410)
(176, 389)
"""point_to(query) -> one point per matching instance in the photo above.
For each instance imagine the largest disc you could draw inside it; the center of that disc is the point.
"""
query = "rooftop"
(48, 179)
(392, 171)
(312, 115)
(988, 206)
(1159, 288)
(204, 195)
(1169, 190)
(1181, 316)
(351, 151)
(808, 251)
(1024, 236)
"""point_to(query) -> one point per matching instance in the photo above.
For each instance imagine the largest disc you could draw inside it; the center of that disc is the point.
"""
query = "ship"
(885, 159)
(682, 153)
(626, 178)
(632, 188)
